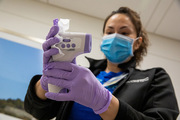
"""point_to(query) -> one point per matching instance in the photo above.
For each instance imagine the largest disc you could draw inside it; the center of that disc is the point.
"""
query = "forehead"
(119, 20)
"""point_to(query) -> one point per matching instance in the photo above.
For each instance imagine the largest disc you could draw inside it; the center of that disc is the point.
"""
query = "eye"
(125, 33)
(108, 33)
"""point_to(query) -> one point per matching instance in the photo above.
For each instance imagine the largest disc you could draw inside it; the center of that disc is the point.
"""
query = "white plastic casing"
(71, 45)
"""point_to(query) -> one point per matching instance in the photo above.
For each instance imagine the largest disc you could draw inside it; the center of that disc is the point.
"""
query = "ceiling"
(160, 17)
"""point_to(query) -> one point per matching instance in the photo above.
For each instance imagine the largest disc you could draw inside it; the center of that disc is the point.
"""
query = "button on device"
(73, 45)
(63, 45)
(68, 45)
(66, 40)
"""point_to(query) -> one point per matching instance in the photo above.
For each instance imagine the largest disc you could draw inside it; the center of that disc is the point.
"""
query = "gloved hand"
(48, 52)
(83, 86)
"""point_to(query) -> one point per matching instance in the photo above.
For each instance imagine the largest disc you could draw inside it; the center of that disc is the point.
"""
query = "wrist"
(40, 92)
(111, 112)
(108, 101)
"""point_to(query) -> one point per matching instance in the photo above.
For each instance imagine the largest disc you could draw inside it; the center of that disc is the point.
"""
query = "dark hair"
(135, 19)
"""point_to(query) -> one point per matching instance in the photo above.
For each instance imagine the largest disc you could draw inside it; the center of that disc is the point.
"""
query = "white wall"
(34, 19)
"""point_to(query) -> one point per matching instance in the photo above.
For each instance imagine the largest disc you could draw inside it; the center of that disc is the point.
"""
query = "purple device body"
(88, 43)
(88, 40)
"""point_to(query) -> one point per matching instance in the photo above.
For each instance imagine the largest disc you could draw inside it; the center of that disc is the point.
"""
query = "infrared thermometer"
(71, 45)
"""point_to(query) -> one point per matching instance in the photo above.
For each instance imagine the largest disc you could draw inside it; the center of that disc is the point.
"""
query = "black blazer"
(143, 95)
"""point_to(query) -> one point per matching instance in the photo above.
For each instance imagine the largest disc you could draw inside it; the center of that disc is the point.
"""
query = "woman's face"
(121, 24)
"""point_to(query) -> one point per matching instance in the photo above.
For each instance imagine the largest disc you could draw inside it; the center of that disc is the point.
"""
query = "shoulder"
(151, 71)
(156, 76)
(153, 74)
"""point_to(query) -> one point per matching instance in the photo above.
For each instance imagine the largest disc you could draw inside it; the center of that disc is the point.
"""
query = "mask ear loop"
(136, 39)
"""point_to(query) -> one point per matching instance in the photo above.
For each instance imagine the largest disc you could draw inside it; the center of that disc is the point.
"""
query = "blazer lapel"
(124, 80)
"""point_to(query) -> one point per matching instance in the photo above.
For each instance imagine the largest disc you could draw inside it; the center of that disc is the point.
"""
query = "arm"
(118, 110)
(112, 110)
(40, 109)
(40, 92)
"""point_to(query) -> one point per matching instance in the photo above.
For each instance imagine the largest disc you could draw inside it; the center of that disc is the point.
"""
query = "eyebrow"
(123, 27)
(110, 27)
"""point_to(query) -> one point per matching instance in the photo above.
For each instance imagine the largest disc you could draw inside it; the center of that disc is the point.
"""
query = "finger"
(55, 22)
(59, 82)
(51, 41)
(53, 31)
(59, 96)
(43, 82)
(57, 73)
(66, 66)
(47, 54)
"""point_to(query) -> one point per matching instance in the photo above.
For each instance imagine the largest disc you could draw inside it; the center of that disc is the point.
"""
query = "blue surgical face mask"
(117, 48)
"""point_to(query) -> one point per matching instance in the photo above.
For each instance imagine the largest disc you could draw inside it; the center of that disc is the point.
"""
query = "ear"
(137, 44)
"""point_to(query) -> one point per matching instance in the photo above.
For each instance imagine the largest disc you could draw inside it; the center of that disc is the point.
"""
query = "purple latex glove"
(48, 52)
(83, 86)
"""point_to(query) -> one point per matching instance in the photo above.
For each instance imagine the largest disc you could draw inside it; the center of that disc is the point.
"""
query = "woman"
(125, 93)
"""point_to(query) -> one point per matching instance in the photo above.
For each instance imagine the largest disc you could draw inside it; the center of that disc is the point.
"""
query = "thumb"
(53, 31)
(58, 96)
